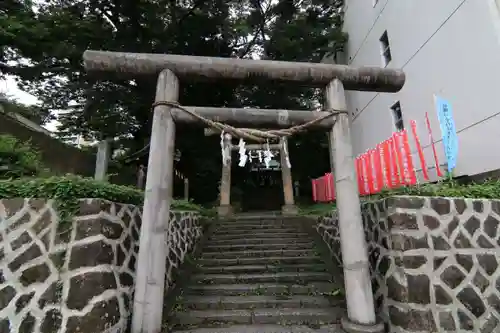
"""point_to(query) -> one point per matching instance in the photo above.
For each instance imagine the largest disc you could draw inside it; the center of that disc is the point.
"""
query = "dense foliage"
(18, 159)
(23, 175)
(67, 190)
(44, 46)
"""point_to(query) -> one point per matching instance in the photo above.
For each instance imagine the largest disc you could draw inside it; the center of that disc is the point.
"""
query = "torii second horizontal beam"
(254, 118)
(130, 65)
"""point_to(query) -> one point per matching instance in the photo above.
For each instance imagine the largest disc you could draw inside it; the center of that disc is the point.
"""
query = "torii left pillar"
(151, 264)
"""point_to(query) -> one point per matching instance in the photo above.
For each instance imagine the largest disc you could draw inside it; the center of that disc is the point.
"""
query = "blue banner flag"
(448, 130)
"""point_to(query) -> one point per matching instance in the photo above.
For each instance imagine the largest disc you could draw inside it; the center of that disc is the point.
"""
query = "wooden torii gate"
(149, 286)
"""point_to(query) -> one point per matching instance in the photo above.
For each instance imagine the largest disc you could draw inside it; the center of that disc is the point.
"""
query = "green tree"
(51, 41)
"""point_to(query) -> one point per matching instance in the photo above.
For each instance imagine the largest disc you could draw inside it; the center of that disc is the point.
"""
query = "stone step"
(238, 231)
(258, 254)
(248, 269)
(243, 247)
(259, 217)
(252, 302)
(307, 316)
(278, 260)
(334, 328)
(255, 227)
(264, 240)
(265, 222)
(268, 289)
(251, 235)
(260, 223)
(280, 277)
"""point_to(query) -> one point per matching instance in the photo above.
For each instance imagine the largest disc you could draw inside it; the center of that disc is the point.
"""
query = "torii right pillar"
(289, 208)
(359, 294)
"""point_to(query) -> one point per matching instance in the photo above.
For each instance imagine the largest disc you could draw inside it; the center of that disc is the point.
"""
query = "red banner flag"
(377, 163)
(359, 171)
(438, 169)
(398, 158)
(330, 187)
(388, 164)
(369, 172)
(314, 190)
(410, 176)
(364, 175)
(420, 151)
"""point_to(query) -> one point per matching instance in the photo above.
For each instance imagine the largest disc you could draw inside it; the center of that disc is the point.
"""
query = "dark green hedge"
(489, 189)
(71, 188)
(18, 159)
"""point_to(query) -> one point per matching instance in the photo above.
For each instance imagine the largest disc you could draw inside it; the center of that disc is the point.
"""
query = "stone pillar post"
(296, 185)
(359, 295)
(186, 189)
(150, 279)
(141, 177)
(289, 207)
(225, 209)
(102, 160)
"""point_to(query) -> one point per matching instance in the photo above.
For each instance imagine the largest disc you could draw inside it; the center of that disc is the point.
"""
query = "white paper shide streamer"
(268, 155)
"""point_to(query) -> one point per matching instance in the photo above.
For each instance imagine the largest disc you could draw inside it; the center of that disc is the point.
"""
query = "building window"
(375, 2)
(386, 49)
(398, 116)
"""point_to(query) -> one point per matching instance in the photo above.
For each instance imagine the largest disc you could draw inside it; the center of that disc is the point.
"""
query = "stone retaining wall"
(76, 277)
(434, 262)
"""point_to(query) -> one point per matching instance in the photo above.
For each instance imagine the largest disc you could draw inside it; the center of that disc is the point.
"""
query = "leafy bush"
(69, 189)
(490, 189)
(18, 159)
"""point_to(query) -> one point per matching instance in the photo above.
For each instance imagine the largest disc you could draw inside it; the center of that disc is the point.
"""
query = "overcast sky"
(10, 88)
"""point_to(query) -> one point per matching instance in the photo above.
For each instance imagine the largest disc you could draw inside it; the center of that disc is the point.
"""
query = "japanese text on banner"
(448, 130)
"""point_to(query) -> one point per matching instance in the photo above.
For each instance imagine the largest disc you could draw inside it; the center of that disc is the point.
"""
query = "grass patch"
(317, 209)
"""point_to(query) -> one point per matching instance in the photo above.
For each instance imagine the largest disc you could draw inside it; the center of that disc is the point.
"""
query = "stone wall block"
(96, 252)
(434, 262)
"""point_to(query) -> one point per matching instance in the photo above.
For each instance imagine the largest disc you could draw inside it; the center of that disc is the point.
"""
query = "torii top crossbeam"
(311, 74)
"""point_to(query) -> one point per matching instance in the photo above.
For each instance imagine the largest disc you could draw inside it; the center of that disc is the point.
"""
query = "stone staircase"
(259, 275)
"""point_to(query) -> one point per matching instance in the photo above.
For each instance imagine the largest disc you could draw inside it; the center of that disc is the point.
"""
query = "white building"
(450, 48)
